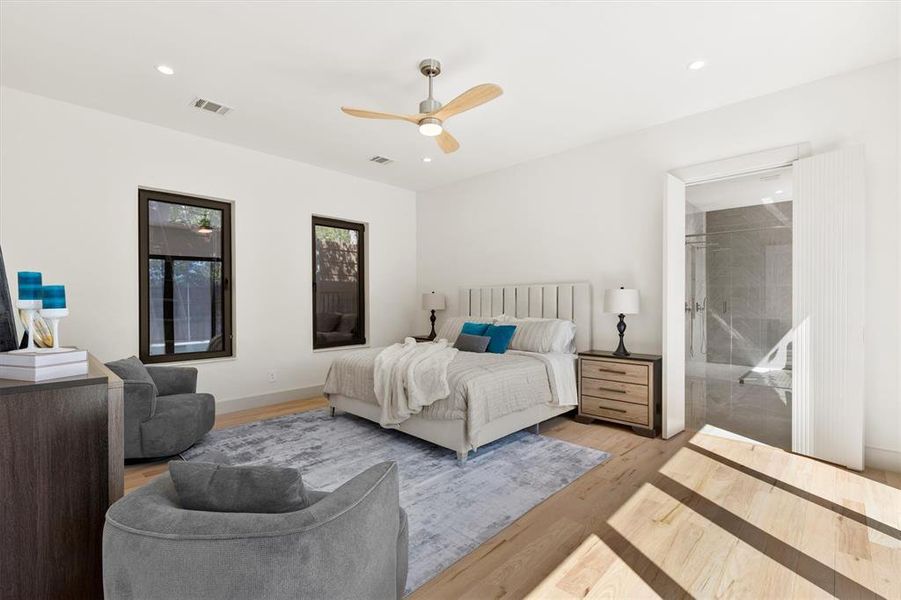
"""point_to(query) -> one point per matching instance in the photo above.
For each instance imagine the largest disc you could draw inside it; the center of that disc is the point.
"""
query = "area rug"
(452, 509)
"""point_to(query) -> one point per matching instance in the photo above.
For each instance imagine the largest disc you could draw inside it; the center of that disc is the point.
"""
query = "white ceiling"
(749, 190)
(572, 73)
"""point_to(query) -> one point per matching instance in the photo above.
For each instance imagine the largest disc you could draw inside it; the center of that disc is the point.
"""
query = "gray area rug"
(452, 509)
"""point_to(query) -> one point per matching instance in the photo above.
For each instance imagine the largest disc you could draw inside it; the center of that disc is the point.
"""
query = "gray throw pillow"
(132, 369)
(472, 343)
(249, 489)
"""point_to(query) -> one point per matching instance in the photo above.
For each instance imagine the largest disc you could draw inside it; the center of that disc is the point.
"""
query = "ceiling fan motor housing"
(428, 105)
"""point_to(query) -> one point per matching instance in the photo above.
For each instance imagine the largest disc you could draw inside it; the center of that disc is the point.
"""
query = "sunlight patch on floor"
(728, 516)
(723, 433)
(593, 570)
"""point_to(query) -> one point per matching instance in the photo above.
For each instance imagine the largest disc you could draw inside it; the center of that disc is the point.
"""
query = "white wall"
(69, 179)
(595, 213)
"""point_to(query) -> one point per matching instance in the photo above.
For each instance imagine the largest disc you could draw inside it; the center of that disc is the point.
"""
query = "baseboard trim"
(236, 404)
(882, 458)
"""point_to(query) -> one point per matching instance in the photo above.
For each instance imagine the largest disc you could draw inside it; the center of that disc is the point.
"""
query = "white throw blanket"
(409, 376)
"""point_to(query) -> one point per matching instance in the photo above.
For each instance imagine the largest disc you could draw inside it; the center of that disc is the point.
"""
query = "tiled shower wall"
(749, 282)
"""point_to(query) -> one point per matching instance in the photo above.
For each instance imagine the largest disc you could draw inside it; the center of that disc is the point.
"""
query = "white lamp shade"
(433, 301)
(621, 301)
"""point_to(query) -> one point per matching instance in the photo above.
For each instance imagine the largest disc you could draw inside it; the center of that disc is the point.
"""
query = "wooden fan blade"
(447, 142)
(370, 114)
(471, 98)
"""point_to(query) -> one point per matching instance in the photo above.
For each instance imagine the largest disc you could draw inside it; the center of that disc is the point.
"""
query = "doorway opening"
(738, 306)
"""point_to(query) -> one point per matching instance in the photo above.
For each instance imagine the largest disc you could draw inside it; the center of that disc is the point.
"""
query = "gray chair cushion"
(472, 343)
(132, 369)
(246, 489)
(178, 422)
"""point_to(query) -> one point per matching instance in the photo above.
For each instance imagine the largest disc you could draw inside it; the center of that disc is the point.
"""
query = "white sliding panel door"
(828, 307)
(673, 306)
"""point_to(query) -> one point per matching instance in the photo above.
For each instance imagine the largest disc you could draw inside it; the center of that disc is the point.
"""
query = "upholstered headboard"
(547, 300)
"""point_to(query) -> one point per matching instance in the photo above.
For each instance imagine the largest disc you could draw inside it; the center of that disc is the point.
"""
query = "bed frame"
(547, 300)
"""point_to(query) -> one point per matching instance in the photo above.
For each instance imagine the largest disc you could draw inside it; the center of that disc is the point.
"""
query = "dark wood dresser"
(622, 389)
(61, 466)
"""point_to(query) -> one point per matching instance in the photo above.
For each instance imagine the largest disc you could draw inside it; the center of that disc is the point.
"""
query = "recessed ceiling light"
(426, 159)
(165, 69)
(697, 65)
(779, 191)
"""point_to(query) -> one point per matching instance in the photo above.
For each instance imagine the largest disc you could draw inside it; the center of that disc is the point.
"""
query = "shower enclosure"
(738, 319)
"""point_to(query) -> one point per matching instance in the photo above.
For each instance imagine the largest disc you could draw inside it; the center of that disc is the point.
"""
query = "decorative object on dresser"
(433, 302)
(61, 466)
(621, 389)
(622, 302)
(30, 294)
(9, 339)
(54, 308)
(43, 364)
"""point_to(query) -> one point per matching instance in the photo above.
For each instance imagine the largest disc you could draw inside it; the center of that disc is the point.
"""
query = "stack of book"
(42, 365)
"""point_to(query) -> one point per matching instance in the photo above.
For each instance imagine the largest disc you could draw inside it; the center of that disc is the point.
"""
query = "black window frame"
(360, 228)
(144, 257)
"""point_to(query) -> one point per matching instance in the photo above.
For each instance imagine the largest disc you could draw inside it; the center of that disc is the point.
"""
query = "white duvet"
(410, 376)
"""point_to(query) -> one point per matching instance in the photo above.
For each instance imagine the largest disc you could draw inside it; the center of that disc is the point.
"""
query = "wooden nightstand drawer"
(615, 371)
(614, 409)
(614, 390)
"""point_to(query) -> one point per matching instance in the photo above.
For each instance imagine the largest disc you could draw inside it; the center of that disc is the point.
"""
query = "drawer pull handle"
(606, 389)
(612, 371)
(619, 410)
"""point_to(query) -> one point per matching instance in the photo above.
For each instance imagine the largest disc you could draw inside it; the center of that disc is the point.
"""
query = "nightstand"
(621, 389)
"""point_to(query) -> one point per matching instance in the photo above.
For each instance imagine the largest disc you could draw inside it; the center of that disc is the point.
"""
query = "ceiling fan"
(432, 114)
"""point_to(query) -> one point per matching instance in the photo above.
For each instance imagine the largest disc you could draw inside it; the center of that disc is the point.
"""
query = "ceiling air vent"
(381, 160)
(213, 107)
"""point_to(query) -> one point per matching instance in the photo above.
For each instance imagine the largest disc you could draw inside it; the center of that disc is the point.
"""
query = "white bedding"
(481, 387)
(408, 377)
(561, 372)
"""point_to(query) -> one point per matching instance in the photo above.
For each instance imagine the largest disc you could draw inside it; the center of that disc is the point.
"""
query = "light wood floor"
(697, 515)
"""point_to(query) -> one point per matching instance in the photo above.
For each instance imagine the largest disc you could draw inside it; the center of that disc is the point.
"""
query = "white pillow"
(542, 335)
(450, 329)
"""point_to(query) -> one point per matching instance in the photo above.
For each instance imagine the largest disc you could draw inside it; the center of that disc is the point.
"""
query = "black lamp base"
(432, 335)
(621, 328)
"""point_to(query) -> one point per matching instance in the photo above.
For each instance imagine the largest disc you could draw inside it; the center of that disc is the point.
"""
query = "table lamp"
(622, 302)
(433, 302)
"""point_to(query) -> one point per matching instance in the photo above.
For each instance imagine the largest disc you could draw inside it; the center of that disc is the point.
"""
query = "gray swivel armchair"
(164, 414)
(348, 544)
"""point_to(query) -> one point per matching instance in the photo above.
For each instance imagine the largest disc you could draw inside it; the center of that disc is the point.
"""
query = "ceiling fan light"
(430, 127)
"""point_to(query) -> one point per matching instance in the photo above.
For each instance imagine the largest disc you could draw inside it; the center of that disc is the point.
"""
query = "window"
(184, 277)
(339, 298)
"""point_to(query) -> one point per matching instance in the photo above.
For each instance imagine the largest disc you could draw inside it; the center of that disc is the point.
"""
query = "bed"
(491, 395)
